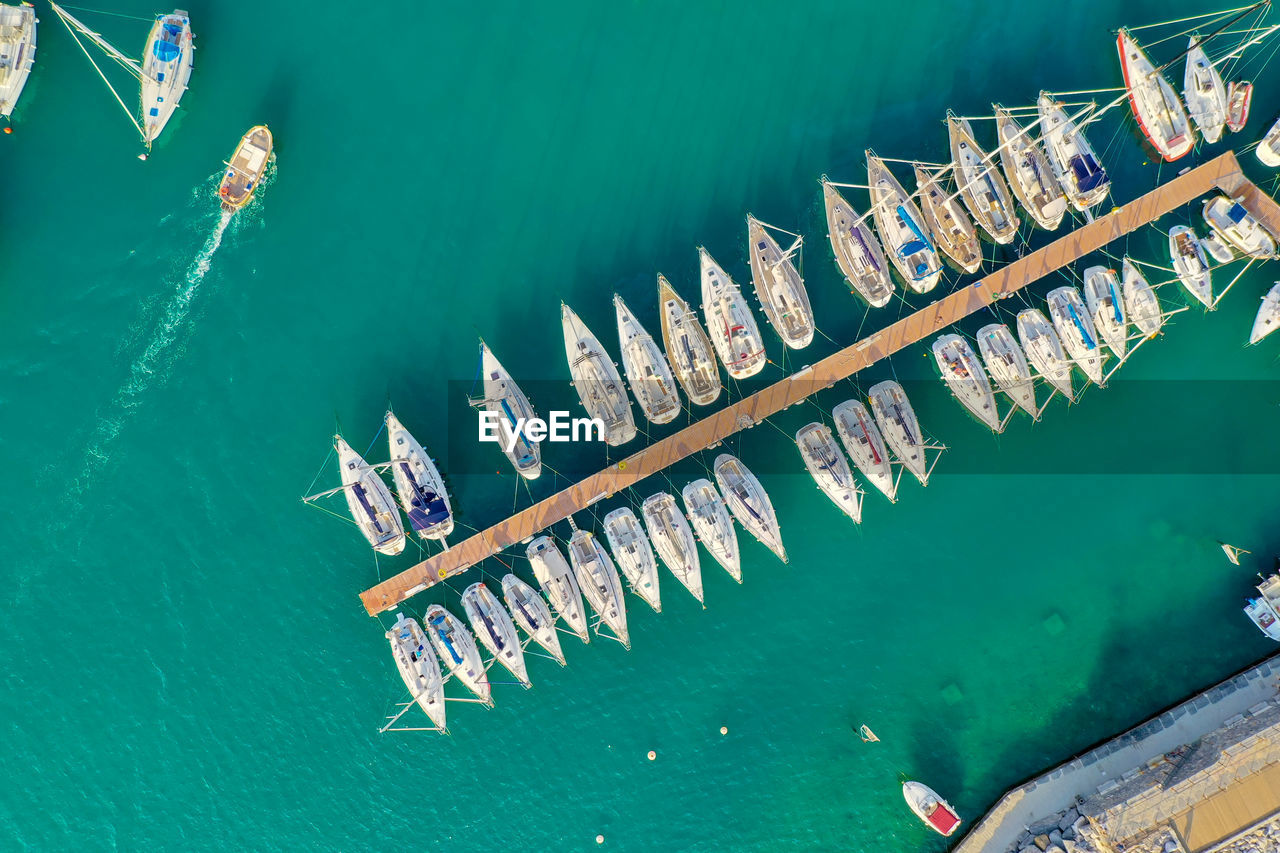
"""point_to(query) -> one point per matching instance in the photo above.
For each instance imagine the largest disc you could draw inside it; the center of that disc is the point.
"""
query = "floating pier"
(1221, 173)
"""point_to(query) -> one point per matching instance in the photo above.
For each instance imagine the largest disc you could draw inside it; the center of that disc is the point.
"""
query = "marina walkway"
(1223, 172)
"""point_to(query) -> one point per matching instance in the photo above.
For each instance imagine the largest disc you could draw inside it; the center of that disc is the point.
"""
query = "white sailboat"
(901, 226)
(504, 399)
(711, 521)
(898, 425)
(596, 380)
(598, 580)
(779, 286)
(419, 485)
(1190, 264)
(647, 372)
(730, 323)
(948, 224)
(749, 502)
(689, 350)
(634, 555)
(1229, 220)
(558, 583)
(829, 468)
(1044, 350)
(1029, 173)
(493, 626)
(457, 648)
(369, 500)
(858, 252)
(1155, 105)
(17, 52)
(1007, 365)
(418, 667)
(533, 616)
(673, 538)
(1268, 319)
(1268, 150)
(865, 445)
(983, 190)
(1106, 308)
(1140, 300)
(1075, 330)
(1074, 162)
(968, 382)
(1204, 93)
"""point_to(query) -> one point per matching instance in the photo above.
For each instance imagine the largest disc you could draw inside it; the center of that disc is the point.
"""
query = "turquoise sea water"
(187, 664)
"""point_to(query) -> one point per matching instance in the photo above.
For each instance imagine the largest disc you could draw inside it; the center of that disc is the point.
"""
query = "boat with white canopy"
(504, 399)
(598, 580)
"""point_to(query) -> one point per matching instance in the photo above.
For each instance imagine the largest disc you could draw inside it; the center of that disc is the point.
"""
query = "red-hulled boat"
(930, 808)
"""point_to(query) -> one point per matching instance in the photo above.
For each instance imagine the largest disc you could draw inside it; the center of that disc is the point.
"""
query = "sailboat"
(1028, 171)
(779, 286)
(730, 322)
(17, 53)
(983, 190)
(533, 616)
(369, 500)
(689, 350)
(1007, 365)
(493, 626)
(1190, 264)
(558, 583)
(1044, 350)
(634, 555)
(829, 468)
(596, 380)
(647, 371)
(1268, 319)
(598, 580)
(1074, 162)
(858, 252)
(1106, 308)
(1268, 150)
(1204, 93)
(952, 231)
(419, 485)
(163, 73)
(865, 445)
(1075, 330)
(418, 667)
(899, 426)
(1140, 300)
(1229, 220)
(1155, 105)
(902, 228)
(749, 502)
(711, 521)
(504, 399)
(967, 380)
(457, 648)
(245, 169)
(673, 538)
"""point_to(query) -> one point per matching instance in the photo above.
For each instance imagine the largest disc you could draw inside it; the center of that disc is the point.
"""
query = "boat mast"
(128, 63)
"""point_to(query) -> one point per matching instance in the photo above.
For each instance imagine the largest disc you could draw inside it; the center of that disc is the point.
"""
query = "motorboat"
(1044, 350)
(1204, 93)
(858, 252)
(598, 580)
(533, 616)
(633, 554)
(1239, 98)
(246, 168)
(829, 468)
(457, 648)
(947, 222)
(559, 584)
(369, 500)
(1265, 609)
(1074, 162)
(17, 52)
(1076, 331)
(713, 525)
(504, 400)
(1229, 220)
(1155, 105)
(1028, 171)
(1190, 264)
(419, 667)
(1268, 319)
(493, 626)
(901, 226)
(1268, 150)
(689, 350)
(730, 323)
(1007, 366)
(899, 426)
(673, 538)
(596, 380)
(1106, 308)
(647, 371)
(865, 445)
(419, 485)
(964, 375)
(1140, 300)
(749, 502)
(936, 812)
(983, 190)
(779, 287)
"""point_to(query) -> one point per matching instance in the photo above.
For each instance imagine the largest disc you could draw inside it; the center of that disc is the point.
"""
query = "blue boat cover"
(427, 509)
(1237, 213)
(166, 50)
(363, 497)
(1089, 174)
(911, 223)
(438, 624)
(1084, 333)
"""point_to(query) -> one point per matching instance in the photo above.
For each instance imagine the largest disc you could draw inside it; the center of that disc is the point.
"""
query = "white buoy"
(724, 730)
(652, 755)
(599, 839)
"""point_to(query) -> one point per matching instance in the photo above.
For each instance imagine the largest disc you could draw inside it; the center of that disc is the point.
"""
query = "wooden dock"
(1222, 173)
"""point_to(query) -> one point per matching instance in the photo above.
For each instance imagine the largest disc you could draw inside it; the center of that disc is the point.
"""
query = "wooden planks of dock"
(1222, 172)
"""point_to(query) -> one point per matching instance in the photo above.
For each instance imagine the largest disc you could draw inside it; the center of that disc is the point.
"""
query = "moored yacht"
(633, 555)
(952, 231)
(457, 648)
(17, 52)
(730, 323)
(1268, 150)
(369, 500)
(749, 502)
(1074, 162)
(1106, 308)
(1155, 105)
(1232, 223)
(596, 380)
(418, 667)
(533, 616)
(418, 483)
(1075, 329)
(936, 812)
(647, 372)
(858, 252)
(1190, 264)
(1204, 93)
(779, 287)
(598, 580)
(865, 445)
(558, 583)
(1044, 350)
(898, 425)
(689, 350)
(673, 539)
(503, 397)
(1140, 300)
(983, 190)
(1268, 319)
(967, 380)
(902, 228)
(829, 468)
(1265, 609)
(493, 626)
(1007, 365)
(167, 62)
(1029, 173)
(711, 521)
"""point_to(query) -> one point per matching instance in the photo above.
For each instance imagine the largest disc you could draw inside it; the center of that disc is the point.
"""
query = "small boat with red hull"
(936, 812)
(1239, 98)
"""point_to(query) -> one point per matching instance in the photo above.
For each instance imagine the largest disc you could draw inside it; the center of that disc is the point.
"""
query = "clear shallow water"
(188, 665)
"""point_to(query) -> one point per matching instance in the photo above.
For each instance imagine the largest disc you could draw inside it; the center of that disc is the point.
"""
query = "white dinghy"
(1268, 319)
(457, 648)
(898, 425)
(533, 616)
(1190, 264)
(968, 382)
(779, 286)
(558, 583)
(983, 190)
(730, 322)
(1204, 93)
(865, 445)
(902, 228)
(829, 468)
(369, 500)
(1029, 173)
(418, 667)
(1075, 330)
(634, 555)
(1140, 300)
(598, 580)
(858, 252)
(1007, 365)
(711, 521)
(949, 225)
(689, 350)
(1106, 308)
(749, 502)
(596, 380)
(493, 626)
(1074, 162)
(673, 539)
(1044, 350)
(418, 483)
(647, 372)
